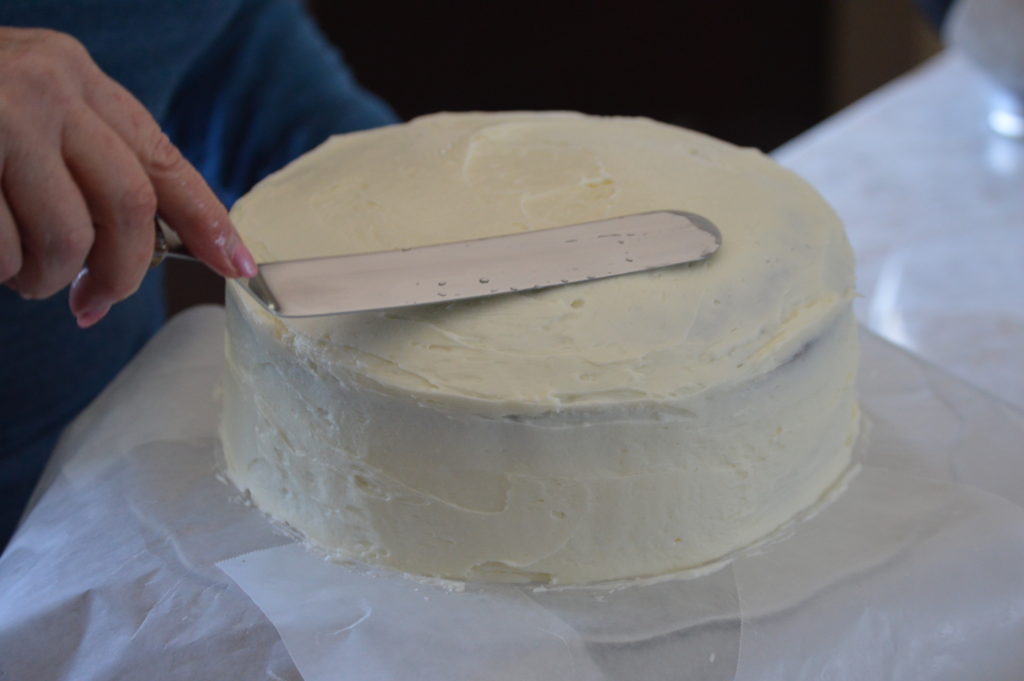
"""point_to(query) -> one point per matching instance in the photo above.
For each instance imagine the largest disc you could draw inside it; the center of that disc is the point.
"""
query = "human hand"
(84, 169)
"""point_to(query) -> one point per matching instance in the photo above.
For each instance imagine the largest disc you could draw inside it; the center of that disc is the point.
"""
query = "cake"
(633, 426)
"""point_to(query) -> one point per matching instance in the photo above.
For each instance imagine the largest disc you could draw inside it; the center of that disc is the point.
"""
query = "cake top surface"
(784, 271)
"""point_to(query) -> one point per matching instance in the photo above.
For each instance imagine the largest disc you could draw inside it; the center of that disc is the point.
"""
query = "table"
(933, 203)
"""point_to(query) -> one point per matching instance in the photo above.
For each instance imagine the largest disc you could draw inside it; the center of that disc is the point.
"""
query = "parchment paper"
(121, 567)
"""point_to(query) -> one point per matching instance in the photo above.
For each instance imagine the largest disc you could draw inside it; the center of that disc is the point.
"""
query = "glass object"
(991, 34)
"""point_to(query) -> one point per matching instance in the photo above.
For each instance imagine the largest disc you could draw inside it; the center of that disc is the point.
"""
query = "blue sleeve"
(935, 10)
(269, 88)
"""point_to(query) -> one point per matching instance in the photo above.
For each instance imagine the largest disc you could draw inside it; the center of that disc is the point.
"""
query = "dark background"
(753, 72)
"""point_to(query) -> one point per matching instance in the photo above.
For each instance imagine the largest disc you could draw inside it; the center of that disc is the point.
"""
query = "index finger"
(184, 199)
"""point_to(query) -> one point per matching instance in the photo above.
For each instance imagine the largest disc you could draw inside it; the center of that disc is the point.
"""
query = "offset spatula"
(480, 267)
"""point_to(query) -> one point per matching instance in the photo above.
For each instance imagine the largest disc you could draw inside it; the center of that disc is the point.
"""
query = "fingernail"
(80, 277)
(91, 315)
(244, 263)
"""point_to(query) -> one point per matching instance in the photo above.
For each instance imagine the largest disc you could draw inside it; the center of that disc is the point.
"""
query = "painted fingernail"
(91, 315)
(244, 263)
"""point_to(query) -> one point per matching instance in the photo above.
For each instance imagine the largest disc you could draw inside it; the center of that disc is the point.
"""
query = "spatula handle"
(167, 244)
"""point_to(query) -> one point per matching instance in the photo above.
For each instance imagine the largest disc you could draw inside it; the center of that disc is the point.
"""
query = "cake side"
(583, 496)
(625, 427)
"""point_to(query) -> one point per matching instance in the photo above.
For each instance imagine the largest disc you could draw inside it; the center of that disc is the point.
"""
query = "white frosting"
(623, 427)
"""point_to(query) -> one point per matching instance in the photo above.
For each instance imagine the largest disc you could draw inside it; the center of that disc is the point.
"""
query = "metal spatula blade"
(483, 267)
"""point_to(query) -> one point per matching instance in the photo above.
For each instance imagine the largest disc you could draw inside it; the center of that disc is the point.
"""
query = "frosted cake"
(625, 427)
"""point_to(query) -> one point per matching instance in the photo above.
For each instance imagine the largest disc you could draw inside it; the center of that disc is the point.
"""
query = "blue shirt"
(242, 87)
